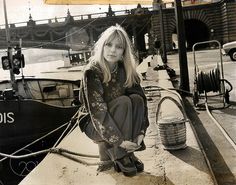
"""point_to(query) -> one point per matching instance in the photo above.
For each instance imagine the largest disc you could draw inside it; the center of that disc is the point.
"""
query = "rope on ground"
(83, 161)
(50, 150)
(62, 150)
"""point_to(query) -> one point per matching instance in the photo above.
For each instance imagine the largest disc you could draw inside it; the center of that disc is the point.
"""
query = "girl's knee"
(137, 99)
(124, 100)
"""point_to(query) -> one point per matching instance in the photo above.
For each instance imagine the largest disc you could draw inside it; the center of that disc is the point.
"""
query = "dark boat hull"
(40, 106)
(21, 122)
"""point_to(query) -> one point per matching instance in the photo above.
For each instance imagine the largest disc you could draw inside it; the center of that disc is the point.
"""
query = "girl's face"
(113, 50)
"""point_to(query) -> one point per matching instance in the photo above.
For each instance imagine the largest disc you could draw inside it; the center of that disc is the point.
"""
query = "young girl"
(117, 107)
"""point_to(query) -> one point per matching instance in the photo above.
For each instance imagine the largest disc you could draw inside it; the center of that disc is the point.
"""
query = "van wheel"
(232, 55)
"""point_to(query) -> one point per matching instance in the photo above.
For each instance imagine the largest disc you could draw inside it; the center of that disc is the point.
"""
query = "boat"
(37, 107)
(36, 111)
(33, 107)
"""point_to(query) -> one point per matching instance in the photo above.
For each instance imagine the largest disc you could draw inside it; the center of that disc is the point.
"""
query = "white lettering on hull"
(7, 117)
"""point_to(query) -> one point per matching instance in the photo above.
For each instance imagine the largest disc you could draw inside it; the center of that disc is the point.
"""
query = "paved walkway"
(182, 167)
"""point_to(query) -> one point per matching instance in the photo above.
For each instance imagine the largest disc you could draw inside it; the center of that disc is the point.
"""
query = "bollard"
(172, 130)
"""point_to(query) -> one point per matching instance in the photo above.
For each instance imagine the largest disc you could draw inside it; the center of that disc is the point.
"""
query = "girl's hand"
(129, 146)
(140, 139)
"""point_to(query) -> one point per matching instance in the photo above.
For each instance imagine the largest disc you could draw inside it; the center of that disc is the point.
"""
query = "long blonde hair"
(132, 77)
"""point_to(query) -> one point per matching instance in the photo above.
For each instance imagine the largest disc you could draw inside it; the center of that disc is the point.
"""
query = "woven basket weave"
(172, 130)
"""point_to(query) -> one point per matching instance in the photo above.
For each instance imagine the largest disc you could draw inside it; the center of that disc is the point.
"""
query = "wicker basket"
(172, 130)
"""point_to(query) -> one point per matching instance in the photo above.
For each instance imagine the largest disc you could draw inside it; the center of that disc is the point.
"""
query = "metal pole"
(9, 49)
(163, 43)
(183, 63)
(6, 24)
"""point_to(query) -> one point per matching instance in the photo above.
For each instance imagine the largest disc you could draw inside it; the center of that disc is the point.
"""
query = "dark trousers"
(128, 114)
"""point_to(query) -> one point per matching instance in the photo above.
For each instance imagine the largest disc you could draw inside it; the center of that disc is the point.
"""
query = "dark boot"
(137, 162)
(126, 166)
(143, 146)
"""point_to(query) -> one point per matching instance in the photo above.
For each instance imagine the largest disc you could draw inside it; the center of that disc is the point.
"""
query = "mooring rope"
(35, 141)
(72, 120)
(50, 150)
(60, 151)
(12, 156)
(68, 124)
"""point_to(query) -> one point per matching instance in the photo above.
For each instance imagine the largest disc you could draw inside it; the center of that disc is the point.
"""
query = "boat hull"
(21, 122)
(38, 107)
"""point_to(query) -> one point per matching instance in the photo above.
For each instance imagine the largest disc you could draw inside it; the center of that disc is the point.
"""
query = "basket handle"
(179, 105)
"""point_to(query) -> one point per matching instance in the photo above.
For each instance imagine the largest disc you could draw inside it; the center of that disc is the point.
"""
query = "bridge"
(202, 22)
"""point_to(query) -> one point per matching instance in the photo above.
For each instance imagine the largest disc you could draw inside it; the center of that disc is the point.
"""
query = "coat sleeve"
(137, 89)
(100, 116)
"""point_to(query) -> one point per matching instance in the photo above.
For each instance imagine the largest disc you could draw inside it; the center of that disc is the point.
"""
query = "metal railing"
(58, 20)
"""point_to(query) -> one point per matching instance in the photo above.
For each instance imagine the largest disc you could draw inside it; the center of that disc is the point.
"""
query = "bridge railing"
(58, 20)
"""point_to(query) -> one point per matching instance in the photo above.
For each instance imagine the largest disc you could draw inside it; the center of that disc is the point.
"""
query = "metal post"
(6, 23)
(9, 51)
(183, 63)
(163, 43)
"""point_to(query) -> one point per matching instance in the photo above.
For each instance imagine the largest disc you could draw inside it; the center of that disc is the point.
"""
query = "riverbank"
(186, 166)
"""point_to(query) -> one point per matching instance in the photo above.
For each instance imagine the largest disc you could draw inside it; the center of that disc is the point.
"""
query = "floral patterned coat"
(94, 96)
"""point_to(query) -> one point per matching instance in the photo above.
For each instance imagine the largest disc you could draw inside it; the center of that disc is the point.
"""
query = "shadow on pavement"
(219, 167)
(140, 179)
(190, 156)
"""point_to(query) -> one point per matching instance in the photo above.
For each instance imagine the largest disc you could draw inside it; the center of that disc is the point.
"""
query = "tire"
(232, 54)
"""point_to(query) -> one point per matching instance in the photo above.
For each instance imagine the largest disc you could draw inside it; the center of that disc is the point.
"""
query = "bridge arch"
(196, 31)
